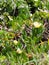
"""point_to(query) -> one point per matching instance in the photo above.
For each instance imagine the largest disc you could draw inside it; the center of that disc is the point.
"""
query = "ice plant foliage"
(24, 32)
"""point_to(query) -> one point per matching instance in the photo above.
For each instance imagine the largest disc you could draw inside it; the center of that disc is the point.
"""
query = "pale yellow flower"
(15, 42)
(19, 51)
(35, 0)
(37, 24)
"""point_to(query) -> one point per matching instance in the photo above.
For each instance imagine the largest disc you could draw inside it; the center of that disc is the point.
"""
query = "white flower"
(30, 14)
(1, 17)
(19, 51)
(23, 5)
(48, 0)
(15, 42)
(48, 56)
(37, 24)
(0, 9)
(35, 0)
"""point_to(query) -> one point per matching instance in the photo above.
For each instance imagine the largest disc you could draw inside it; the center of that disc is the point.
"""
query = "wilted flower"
(10, 18)
(46, 11)
(15, 42)
(19, 51)
(48, 41)
(10, 29)
(42, 43)
(1, 27)
(37, 24)
(29, 55)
